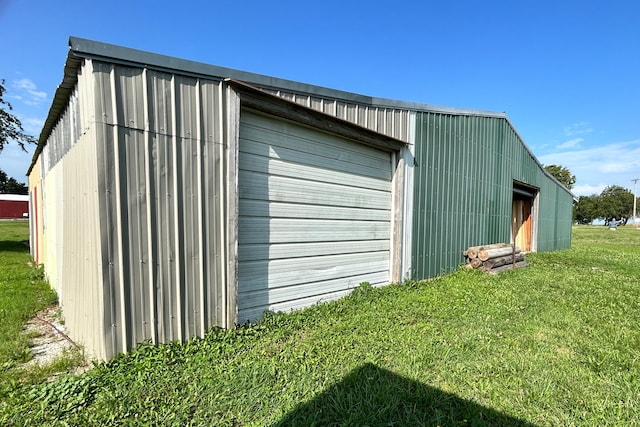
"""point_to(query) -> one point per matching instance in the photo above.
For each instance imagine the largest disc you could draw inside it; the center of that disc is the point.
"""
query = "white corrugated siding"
(314, 216)
(69, 217)
(393, 122)
(79, 243)
(135, 207)
(162, 167)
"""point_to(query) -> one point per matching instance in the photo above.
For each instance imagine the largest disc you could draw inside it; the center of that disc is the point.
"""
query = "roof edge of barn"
(114, 53)
(80, 48)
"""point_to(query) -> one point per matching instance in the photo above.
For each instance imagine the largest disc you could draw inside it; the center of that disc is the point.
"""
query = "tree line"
(615, 203)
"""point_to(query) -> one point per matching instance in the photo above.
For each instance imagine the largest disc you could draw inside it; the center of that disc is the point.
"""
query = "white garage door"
(314, 216)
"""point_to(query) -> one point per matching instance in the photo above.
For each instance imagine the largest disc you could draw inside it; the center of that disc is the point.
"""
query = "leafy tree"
(10, 126)
(562, 174)
(587, 209)
(616, 203)
(10, 185)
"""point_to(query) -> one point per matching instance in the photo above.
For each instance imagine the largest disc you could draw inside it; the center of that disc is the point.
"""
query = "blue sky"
(567, 73)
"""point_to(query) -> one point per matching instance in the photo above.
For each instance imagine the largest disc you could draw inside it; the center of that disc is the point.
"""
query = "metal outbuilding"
(170, 196)
(13, 206)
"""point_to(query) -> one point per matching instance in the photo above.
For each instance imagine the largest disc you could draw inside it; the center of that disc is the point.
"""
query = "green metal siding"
(465, 166)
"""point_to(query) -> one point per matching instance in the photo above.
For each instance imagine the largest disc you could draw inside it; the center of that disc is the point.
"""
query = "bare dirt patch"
(49, 339)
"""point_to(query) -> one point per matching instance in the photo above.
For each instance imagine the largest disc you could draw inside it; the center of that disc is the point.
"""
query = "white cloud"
(613, 167)
(575, 142)
(24, 84)
(587, 189)
(32, 125)
(28, 92)
(580, 128)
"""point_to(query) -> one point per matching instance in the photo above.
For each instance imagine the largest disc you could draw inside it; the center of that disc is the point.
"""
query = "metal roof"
(112, 53)
(83, 48)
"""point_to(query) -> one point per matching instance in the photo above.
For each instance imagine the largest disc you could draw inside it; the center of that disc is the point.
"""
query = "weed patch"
(23, 293)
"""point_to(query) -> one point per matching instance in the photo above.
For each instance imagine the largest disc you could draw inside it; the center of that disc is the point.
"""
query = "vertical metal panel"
(177, 302)
(110, 241)
(79, 232)
(329, 107)
(231, 134)
(409, 161)
(145, 239)
(316, 103)
(51, 215)
(165, 239)
(129, 87)
(135, 277)
(187, 95)
(213, 204)
(465, 168)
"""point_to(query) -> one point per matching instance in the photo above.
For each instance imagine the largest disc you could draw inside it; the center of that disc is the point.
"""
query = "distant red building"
(14, 206)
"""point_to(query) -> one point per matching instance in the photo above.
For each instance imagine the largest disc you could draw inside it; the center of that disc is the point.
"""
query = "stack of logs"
(495, 258)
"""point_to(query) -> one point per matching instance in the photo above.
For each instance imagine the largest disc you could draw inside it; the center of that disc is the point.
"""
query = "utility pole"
(635, 200)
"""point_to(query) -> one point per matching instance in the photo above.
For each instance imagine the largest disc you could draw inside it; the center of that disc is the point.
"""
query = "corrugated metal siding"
(72, 124)
(393, 122)
(315, 214)
(555, 217)
(52, 211)
(136, 199)
(76, 266)
(463, 180)
(63, 183)
(161, 174)
(406, 213)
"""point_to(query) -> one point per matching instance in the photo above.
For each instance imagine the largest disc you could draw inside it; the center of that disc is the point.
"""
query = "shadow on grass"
(372, 396)
(13, 246)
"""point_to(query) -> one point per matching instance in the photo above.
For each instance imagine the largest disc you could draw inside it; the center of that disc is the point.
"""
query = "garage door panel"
(291, 296)
(280, 189)
(308, 143)
(288, 272)
(337, 161)
(265, 208)
(279, 230)
(270, 251)
(353, 178)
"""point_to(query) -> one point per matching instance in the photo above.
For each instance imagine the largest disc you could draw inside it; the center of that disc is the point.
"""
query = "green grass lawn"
(23, 292)
(554, 344)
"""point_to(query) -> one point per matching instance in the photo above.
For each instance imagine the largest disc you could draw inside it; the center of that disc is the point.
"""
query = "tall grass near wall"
(23, 292)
